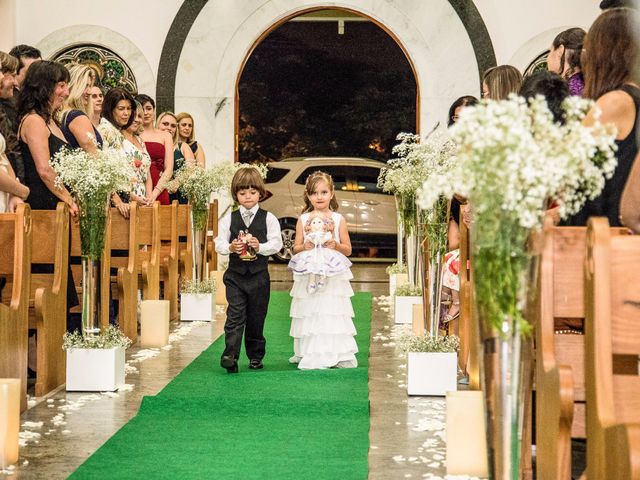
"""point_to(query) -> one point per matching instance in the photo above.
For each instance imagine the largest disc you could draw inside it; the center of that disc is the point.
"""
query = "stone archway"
(209, 41)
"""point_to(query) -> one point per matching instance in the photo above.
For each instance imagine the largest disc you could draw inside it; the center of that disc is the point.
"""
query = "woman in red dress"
(160, 148)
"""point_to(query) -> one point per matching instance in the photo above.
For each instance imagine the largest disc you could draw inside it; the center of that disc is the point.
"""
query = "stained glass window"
(111, 70)
(540, 63)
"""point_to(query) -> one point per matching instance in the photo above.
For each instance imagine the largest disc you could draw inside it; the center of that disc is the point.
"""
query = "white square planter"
(197, 307)
(432, 374)
(396, 280)
(403, 308)
(95, 369)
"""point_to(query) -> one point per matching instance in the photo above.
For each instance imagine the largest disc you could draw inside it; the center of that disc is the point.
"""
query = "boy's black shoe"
(229, 363)
(256, 364)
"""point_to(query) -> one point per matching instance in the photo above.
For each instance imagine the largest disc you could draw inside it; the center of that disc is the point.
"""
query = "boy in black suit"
(247, 278)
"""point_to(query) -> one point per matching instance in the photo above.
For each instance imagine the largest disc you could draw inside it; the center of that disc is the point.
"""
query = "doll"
(247, 254)
(319, 262)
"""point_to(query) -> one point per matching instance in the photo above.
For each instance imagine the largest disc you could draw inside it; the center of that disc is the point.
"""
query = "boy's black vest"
(258, 229)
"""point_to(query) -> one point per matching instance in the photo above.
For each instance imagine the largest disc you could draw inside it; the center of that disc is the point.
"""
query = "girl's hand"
(330, 244)
(308, 245)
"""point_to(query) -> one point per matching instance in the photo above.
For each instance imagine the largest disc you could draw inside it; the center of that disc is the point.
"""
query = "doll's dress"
(319, 260)
(322, 322)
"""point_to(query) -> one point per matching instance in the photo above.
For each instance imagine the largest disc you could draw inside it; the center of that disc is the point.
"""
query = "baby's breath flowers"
(198, 183)
(415, 161)
(429, 344)
(92, 178)
(512, 160)
(111, 337)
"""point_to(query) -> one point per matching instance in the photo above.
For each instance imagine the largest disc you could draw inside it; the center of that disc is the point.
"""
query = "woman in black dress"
(43, 92)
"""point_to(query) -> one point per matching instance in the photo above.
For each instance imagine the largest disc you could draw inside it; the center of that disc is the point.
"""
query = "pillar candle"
(154, 323)
(221, 292)
(9, 420)
(418, 320)
(466, 434)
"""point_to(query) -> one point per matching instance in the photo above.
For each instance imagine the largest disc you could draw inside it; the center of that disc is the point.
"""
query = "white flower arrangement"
(429, 344)
(512, 160)
(204, 286)
(92, 178)
(396, 268)
(415, 161)
(198, 183)
(111, 337)
(408, 290)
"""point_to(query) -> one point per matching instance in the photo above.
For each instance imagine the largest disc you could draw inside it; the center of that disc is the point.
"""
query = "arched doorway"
(326, 82)
(209, 41)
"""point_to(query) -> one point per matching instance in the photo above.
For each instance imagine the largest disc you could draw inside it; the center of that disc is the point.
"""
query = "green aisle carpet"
(278, 423)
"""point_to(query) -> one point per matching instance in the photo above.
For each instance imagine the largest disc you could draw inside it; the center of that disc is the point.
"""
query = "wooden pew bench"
(15, 268)
(48, 295)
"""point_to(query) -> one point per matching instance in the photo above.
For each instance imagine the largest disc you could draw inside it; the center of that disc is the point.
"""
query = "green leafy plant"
(396, 268)
(111, 337)
(429, 344)
(408, 290)
(204, 286)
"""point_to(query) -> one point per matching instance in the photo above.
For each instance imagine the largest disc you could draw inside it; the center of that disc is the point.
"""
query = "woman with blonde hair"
(182, 154)
(75, 115)
(187, 133)
(159, 145)
(498, 82)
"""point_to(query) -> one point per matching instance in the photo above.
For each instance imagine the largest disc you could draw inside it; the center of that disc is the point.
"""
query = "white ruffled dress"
(322, 322)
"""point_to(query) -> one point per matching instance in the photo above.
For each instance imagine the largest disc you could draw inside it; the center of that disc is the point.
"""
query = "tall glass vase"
(436, 245)
(199, 217)
(413, 252)
(93, 215)
(90, 296)
(400, 240)
(505, 356)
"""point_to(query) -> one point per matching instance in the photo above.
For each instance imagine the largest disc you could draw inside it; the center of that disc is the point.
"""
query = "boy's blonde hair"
(245, 178)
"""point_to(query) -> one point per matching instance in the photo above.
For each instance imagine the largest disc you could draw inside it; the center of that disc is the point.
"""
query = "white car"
(369, 212)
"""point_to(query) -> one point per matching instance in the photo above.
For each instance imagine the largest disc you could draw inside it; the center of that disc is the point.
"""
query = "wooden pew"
(148, 240)
(48, 294)
(468, 328)
(612, 346)
(122, 235)
(169, 255)
(15, 267)
(560, 390)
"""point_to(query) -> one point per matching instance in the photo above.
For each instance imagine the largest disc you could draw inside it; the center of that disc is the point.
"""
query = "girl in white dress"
(321, 317)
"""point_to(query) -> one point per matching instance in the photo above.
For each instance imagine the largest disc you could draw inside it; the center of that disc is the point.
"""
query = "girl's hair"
(501, 81)
(134, 113)
(551, 86)
(572, 40)
(160, 117)
(466, 101)
(310, 186)
(110, 103)
(610, 52)
(181, 116)
(245, 178)
(143, 98)
(80, 76)
(38, 87)
(9, 63)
